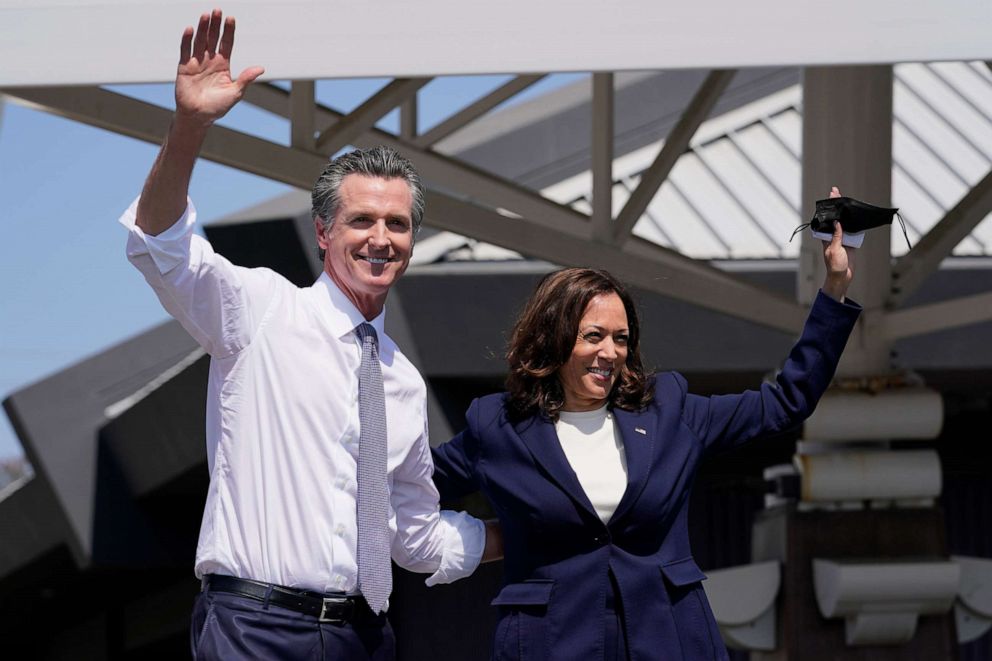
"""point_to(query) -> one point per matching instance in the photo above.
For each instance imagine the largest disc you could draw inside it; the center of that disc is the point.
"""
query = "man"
(316, 429)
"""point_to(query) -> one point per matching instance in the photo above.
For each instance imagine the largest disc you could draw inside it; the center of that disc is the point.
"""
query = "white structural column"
(847, 142)
(602, 156)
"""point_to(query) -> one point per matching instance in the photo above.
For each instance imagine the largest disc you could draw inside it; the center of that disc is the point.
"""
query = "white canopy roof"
(60, 42)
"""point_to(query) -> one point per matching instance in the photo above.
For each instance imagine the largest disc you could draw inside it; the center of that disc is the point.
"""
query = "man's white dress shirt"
(282, 424)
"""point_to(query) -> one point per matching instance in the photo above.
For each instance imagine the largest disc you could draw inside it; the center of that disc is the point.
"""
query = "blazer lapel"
(538, 434)
(638, 432)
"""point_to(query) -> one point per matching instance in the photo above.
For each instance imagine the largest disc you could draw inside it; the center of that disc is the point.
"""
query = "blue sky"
(66, 289)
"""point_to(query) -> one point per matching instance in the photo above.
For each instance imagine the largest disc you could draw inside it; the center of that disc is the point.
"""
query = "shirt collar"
(341, 314)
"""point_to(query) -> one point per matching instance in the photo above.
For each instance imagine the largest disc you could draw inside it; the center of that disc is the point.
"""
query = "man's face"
(368, 246)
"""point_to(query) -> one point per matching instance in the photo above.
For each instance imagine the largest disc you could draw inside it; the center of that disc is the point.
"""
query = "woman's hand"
(494, 541)
(839, 260)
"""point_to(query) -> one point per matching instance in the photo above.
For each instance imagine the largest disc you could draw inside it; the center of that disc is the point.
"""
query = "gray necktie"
(375, 575)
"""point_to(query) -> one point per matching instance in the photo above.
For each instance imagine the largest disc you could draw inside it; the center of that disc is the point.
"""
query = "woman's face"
(600, 351)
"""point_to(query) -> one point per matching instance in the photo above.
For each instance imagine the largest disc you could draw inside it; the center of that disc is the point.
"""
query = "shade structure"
(134, 40)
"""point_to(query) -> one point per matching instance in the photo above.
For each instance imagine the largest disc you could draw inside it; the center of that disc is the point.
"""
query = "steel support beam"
(933, 317)
(408, 118)
(444, 172)
(913, 268)
(136, 119)
(477, 109)
(652, 267)
(302, 130)
(342, 132)
(602, 156)
(723, 294)
(675, 145)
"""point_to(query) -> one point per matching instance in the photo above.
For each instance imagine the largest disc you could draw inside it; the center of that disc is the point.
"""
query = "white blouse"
(594, 447)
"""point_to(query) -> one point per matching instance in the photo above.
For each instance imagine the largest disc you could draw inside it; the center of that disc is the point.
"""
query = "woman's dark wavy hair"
(545, 334)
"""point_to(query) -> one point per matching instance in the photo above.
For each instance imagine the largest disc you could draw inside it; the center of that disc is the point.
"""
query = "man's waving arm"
(205, 92)
(219, 303)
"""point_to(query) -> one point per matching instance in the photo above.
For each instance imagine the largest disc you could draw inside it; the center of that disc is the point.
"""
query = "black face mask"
(855, 216)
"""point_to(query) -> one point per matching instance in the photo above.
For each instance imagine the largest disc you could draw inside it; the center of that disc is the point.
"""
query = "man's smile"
(376, 260)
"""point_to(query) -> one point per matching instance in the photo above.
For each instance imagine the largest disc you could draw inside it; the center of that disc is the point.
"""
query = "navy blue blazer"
(558, 553)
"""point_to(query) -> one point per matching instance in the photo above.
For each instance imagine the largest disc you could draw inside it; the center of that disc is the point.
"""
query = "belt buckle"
(344, 617)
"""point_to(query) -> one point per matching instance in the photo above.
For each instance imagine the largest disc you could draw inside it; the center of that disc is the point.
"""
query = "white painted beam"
(85, 42)
(913, 268)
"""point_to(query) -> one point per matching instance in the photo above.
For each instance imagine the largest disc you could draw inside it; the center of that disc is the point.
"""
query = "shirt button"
(339, 529)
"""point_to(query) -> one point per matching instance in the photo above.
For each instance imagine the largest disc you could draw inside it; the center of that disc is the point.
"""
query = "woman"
(588, 464)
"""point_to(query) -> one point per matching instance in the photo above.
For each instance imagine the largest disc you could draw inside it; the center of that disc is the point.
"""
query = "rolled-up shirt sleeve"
(447, 543)
(464, 542)
(202, 290)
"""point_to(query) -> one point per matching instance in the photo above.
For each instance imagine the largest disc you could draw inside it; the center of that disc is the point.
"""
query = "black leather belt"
(335, 608)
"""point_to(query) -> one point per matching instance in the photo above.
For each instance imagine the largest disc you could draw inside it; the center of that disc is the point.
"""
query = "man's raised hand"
(205, 90)
(204, 94)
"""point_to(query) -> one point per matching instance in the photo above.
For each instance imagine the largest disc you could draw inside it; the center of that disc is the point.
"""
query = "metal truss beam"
(648, 266)
(923, 319)
(474, 185)
(341, 133)
(444, 172)
(602, 156)
(409, 111)
(148, 122)
(477, 109)
(301, 111)
(913, 268)
(675, 145)
(708, 288)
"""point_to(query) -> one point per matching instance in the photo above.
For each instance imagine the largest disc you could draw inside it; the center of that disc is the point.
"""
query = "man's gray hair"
(378, 161)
